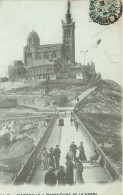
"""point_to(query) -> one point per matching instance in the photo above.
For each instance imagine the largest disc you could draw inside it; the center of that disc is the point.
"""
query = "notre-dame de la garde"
(52, 61)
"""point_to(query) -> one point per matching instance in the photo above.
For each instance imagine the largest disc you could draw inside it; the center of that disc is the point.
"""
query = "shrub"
(7, 103)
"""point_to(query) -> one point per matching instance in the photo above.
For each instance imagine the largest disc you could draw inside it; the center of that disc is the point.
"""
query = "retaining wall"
(106, 163)
(26, 170)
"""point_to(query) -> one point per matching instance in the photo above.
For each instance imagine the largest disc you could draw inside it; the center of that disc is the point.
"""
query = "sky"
(19, 18)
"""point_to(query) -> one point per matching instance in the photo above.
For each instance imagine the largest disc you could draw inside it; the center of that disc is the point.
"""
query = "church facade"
(51, 61)
(36, 54)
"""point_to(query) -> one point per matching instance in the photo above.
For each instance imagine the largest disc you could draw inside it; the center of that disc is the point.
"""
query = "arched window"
(30, 54)
(36, 56)
(65, 31)
(47, 56)
(69, 32)
(30, 40)
(55, 55)
(39, 56)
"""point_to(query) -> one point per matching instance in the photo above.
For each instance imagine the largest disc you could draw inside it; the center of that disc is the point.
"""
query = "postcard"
(60, 97)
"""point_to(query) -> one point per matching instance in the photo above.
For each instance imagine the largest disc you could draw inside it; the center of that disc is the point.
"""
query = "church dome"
(33, 38)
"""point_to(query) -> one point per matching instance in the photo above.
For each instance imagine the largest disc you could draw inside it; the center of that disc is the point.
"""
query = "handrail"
(107, 164)
(24, 172)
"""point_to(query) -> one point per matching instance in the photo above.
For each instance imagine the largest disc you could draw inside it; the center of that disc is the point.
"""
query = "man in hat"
(56, 154)
(76, 125)
(61, 176)
(73, 146)
(50, 177)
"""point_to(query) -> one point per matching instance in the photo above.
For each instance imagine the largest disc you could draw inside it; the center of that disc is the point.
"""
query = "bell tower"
(69, 36)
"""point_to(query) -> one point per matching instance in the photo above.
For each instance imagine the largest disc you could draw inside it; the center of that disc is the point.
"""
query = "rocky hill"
(34, 95)
(18, 137)
(101, 113)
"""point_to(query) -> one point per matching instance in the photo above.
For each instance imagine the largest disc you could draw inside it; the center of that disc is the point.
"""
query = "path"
(64, 136)
(54, 139)
(84, 94)
(70, 134)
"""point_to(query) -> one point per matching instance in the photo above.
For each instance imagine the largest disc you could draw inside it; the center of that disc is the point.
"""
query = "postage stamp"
(105, 12)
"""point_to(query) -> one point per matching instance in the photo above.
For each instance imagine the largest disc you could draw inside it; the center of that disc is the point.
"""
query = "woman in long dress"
(51, 159)
(78, 172)
(45, 159)
(69, 172)
(82, 155)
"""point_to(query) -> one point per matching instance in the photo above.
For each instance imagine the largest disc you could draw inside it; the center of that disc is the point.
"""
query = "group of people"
(77, 98)
(74, 162)
(73, 150)
(74, 122)
(51, 158)
(72, 172)
(65, 175)
(61, 122)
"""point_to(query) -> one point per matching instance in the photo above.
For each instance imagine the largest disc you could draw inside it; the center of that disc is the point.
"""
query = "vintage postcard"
(60, 97)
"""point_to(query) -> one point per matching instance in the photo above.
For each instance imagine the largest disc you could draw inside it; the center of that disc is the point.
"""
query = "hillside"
(18, 138)
(101, 113)
(34, 95)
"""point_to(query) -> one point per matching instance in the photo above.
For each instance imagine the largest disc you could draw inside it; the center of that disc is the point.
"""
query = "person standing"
(56, 154)
(71, 120)
(70, 155)
(51, 158)
(45, 159)
(82, 152)
(77, 98)
(71, 113)
(50, 177)
(78, 173)
(69, 172)
(65, 114)
(61, 176)
(62, 122)
(76, 125)
(73, 147)
(74, 120)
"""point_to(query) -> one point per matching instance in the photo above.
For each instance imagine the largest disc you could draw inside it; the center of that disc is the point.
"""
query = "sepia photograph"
(61, 96)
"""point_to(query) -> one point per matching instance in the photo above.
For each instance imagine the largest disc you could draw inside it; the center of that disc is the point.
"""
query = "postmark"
(105, 12)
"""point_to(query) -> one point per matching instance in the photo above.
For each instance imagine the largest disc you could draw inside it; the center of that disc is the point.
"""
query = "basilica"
(51, 61)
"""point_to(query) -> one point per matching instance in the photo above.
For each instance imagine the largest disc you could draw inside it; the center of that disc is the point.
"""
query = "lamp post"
(84, 52)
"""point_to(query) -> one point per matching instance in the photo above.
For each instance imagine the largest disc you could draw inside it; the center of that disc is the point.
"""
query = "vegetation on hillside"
(17, 140)
(7, 102)
(101, 113)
